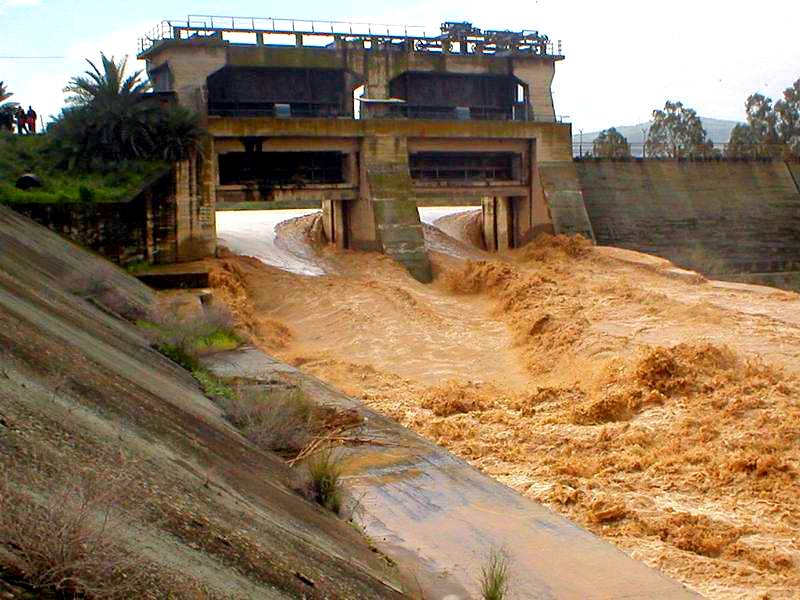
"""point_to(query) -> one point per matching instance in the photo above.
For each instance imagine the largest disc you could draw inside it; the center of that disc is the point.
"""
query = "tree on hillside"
(744, 143)
(676, 132)
(4, 93)
(106, 85)
(787, 114)
(771, 130)
(110, 117)
(610, 143)
(6, 109)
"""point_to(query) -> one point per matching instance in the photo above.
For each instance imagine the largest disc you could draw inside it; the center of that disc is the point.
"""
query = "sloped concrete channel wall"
(439, 517)
(716, 217)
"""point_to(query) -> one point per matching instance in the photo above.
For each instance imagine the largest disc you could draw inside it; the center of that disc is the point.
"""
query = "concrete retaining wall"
(165, 222)
(715, 217)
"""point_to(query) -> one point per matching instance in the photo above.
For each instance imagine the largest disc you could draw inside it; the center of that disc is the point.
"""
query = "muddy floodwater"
(659, 410)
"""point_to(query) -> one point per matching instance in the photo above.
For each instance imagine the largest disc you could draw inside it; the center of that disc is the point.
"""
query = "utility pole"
(580, 144)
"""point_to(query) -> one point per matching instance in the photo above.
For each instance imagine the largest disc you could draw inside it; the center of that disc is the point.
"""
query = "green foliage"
(495, 576)
(107, 85)
(676, 132)
(6, 109)
(218, 341)
(110, 118)
(325, 471)
(85, 194)
(179, 355)
(4, 93)
(745, 143)
(611, 144)
(106, 181)
(771, 130)
(214, 387)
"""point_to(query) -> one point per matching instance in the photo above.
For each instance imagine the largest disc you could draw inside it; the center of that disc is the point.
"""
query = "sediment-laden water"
(661, 413)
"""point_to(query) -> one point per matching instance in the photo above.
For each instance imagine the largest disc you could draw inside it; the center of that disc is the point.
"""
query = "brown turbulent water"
(661, 413)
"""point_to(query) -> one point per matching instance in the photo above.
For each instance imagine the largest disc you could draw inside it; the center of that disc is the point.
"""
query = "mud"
(657, 409)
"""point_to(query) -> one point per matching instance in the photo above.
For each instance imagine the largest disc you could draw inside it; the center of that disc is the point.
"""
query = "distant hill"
(719, 132)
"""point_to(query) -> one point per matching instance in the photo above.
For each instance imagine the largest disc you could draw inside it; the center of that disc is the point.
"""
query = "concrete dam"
(728, 219)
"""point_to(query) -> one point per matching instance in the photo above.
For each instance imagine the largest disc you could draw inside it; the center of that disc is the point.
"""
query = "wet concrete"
(253, 233)
(439, 517)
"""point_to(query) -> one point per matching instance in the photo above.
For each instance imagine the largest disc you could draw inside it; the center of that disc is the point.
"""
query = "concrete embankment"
(84, 397)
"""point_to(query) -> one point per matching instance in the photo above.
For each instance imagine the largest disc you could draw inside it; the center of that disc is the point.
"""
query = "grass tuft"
(325, 486)
(280, 420)
(495, 575)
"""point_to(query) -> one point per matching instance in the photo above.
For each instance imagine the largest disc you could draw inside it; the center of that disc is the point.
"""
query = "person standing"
(22, 121)
(31, 120)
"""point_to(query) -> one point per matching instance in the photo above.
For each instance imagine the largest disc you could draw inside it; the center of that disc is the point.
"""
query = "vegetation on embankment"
(100, 182)
(110, 140)
(111, 454)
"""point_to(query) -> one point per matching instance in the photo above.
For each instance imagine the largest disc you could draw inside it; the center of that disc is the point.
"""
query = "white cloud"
(4, 4)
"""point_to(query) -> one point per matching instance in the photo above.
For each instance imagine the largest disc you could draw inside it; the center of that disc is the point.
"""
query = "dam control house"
(366, 119)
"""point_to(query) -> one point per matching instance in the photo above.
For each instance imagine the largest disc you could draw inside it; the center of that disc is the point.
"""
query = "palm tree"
(108, 84)
(6, 109)
(4, 93)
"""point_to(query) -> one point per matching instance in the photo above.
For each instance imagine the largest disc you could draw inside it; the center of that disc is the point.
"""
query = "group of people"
(16, 115)
(26, 121)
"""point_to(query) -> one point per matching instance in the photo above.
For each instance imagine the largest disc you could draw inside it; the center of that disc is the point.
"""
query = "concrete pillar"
(327, 221)
(386, 196)
(489, 223)
(504, 217)
(339, 223)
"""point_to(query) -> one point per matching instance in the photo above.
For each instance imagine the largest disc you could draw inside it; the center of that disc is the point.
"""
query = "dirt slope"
(85, 402)
(659, 410)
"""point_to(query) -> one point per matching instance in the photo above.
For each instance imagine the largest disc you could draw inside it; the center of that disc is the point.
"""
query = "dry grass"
(66, 543)
(281, 420)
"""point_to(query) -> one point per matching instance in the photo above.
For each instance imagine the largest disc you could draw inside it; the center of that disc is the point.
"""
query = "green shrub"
(325, 485)
(179, 355)
(85, 194)
(495, 575)
(214, 387)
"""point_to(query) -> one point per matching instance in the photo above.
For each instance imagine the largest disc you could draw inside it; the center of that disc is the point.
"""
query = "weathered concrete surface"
(388, 190)
(81, 392)
(564, 196)
(439, 516)
(715, 217)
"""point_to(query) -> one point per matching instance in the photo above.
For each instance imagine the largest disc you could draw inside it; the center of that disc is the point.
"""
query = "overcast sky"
(623, 57)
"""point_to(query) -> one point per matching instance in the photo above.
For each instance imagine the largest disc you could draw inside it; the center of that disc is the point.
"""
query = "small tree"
(676, 132)
(106, 85)
(771, 130)
(4, 93)
(611, 144)
(743, 143)
(6, 109)
(111, 118)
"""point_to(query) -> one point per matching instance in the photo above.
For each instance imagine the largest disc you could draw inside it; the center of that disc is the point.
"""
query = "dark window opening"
(281, 168)
(457, 96)
(277, 92)
(464, 166)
